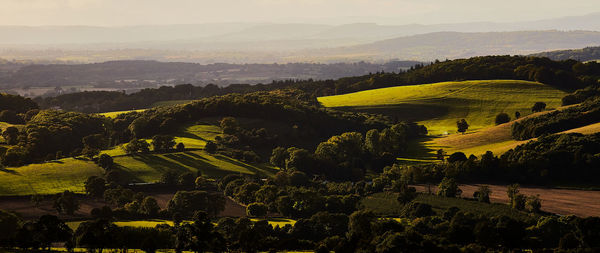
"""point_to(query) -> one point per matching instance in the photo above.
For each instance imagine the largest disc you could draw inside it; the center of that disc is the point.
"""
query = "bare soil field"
(560, 201)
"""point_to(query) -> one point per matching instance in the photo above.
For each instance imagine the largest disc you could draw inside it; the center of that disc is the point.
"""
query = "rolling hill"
(70, 173)
(439, 105)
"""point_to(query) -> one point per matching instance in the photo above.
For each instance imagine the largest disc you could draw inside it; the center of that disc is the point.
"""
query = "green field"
(70, 174)
(439, 105)
(152, 223)
(47, 178)
(385, 204)
(115, 114)
(149, 167)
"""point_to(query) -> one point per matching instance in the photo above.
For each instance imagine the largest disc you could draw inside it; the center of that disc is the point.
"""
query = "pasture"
(149, 167)
(439, 105)
(47, 178)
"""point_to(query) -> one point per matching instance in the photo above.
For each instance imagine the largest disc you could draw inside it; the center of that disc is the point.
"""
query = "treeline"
(584, 54)
(584, 114)
(13, 109)
(50, 135)
(581, 95)
(569, 75)
(550, 160)
(349, 156)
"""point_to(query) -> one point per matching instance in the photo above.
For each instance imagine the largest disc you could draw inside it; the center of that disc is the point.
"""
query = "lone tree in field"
(210, 147)
(440, 154)
(66, 202)
(483, 194)
(449, 188)
(180, 147)
(405, 193)
(533, 204)
(462, 126)
(502, 118)
(538, 107)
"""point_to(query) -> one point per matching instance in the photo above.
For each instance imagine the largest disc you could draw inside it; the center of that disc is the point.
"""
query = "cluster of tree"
(53, 134)
(553, 122)
(16, 105)
(348, 156)
(581, 95)
(291, 195)
(564, 158)
(584, 54)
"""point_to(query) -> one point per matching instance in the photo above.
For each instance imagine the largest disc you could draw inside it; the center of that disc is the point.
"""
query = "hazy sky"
(138, 12)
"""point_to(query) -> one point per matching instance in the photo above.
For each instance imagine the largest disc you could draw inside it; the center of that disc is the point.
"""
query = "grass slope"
(281, 222)
(115, 114)
(70, 174)
(47, 178)
(497, 139)
(149, 167)
(439, 105)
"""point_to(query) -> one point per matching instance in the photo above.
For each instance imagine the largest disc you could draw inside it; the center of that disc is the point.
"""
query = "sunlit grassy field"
(115, 114)
(192, 137)
(439, 105)
(149, 167)
(70, 173)
(152, 223)
(47, 178)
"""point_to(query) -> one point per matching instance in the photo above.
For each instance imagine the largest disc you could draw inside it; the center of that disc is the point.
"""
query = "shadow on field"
(200, 164)
(9, 171)
(424, 110)
(190, 135)
(256, 170)
(159, 164)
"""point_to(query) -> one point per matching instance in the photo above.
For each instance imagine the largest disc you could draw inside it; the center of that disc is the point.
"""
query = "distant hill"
(421, 47)
(584, 54)
(450, 45)
(139, 74)
(293, 42)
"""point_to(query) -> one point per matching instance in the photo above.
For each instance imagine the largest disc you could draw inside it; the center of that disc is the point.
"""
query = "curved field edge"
(497, 139)
(439, 105)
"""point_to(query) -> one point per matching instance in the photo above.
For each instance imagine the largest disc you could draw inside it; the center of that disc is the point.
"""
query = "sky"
(150, 12)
